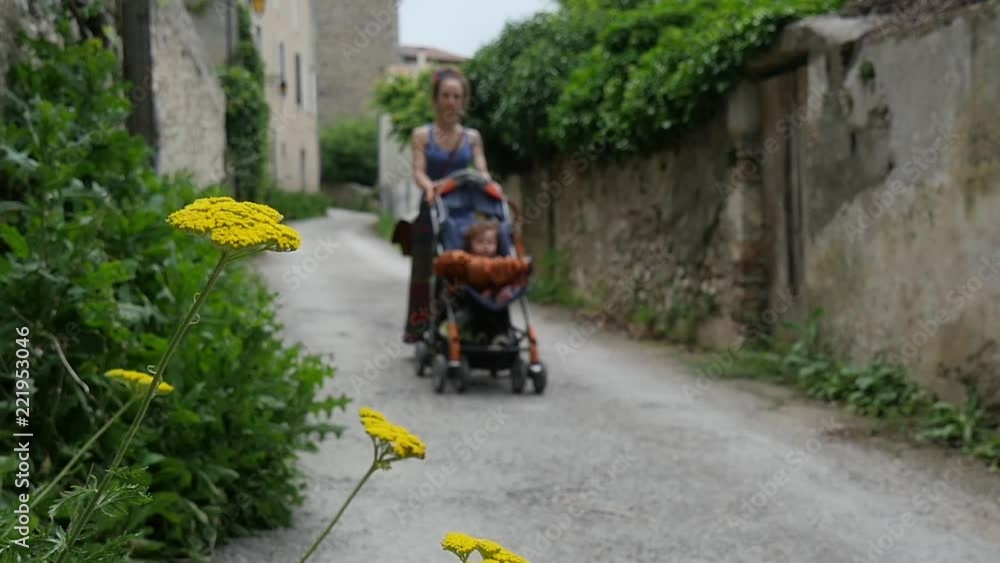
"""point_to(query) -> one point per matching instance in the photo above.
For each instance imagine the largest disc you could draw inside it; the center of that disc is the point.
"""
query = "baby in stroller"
(476, 278)
(495, 280)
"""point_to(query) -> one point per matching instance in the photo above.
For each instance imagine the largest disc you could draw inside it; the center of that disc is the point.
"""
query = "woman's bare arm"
(418, 142)
(479, 154)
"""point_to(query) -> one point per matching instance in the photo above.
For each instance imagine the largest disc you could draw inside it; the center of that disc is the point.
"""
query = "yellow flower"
(235, 224)
(459, 544)
(462, 545)
(367, 412)
(404, 443)
(488, 547)
(139, 378)
(504, 556)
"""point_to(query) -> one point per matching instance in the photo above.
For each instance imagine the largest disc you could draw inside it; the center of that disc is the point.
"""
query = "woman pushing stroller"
(478, 275)
(439, 149)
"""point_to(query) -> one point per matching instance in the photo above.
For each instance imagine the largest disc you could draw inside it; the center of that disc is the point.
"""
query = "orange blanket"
(482, 272)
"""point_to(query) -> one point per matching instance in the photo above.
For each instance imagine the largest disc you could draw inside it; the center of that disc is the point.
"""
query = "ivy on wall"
(622, 75)
(247, 115)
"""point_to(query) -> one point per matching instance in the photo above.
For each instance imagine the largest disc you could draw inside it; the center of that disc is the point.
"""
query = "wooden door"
(784, 103)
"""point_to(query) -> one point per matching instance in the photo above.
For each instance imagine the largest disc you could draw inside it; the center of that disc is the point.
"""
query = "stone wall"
(189, 102)
(356, 41)
(902, 198)
(647, 239)
(8, 32)
(856, 171)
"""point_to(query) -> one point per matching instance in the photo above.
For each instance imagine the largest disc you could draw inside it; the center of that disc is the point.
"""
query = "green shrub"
(246, 132)
(603, 77)
(350, 151)
(246, 55)
(88, 261)
(881, 390)
(298, 205)
(406, 99)
(661, 67)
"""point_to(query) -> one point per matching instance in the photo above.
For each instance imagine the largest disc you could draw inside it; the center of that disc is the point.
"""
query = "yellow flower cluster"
(463, 545)
(139, 378)
(404, 443)
(236, 225)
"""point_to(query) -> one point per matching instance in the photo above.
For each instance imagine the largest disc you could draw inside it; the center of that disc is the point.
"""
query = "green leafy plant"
(350, 151)
(602, 77)
(967, 427)
(247, 116)
(406, 99)
(957, 426)
(881, 390)
(90, 266)
(298, 205)
(552, 283)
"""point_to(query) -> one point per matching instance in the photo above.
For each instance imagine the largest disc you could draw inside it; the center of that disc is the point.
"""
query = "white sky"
(461, 26)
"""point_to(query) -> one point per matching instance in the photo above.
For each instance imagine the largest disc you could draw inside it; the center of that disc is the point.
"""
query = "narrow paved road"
(613, 463)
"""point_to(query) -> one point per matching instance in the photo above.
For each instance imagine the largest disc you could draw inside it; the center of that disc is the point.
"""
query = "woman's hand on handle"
(431, 192)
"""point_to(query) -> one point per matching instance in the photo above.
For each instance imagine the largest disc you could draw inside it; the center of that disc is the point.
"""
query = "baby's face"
(485, 244)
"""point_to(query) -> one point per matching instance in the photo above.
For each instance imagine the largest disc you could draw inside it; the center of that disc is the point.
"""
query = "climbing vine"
(247, 115)
(660, 68)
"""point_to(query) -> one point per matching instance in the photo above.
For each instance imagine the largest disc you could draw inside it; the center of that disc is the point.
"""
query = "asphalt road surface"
(615, 462)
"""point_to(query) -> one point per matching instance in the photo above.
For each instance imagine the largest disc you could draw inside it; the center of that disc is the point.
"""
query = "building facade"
(285, 34)
(357, 41)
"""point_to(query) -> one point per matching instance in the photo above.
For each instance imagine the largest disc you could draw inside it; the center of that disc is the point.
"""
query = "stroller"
(451, 356)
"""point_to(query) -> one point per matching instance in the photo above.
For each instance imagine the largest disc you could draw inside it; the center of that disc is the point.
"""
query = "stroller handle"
(457, 177)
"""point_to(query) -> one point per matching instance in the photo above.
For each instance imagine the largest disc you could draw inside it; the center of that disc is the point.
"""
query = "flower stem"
(175, 341)
(93, 439)
(333, 522)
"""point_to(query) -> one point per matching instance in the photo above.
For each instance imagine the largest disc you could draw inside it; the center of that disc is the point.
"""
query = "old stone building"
(188, 109)
(285, 33)
(357, 40)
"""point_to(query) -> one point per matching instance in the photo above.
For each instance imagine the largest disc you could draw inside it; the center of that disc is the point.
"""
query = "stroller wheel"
(459, 376)
(538, 378)
(439, 371)
(423, 358)
(518, 376)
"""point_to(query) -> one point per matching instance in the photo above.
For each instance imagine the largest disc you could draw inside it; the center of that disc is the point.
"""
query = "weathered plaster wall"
(190, 105)
(904, 245)
(609, 219)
